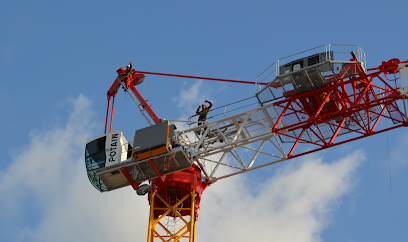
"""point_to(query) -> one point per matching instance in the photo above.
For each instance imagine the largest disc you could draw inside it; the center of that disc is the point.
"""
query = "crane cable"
(389, 162)
(144, 83)
(127, 90)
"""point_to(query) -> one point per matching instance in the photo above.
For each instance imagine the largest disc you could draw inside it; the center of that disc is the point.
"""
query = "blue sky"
(58, 60)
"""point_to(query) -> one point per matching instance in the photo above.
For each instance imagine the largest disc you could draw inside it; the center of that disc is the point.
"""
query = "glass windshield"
(96, 182)
(95, 154)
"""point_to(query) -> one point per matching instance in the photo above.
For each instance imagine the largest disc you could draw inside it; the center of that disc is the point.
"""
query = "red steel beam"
(156, 170)
(337, 131)
(113, 104)
(378, 119)
(365, 98)
(297, 142)
(345, 141)
(129, 178)
(320, 138)
(352, 130)
(300, 138)
(145, 105)
(353, 109)
(107, 114)
(199, 77)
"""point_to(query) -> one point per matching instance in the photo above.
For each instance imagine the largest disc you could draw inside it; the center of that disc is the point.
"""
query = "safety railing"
(266, 76)
(235, 137)
(308, 70)
(338, 51)
(299, 55)
(226, 110)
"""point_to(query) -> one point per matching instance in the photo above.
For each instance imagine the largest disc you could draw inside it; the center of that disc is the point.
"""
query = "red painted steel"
(107, 115)
(129, 178)
(352, 102)
(145, 105)
(160, 177)
(170, 187)
(202, 78)
(177, 185)
(130, 80)
(113, 104)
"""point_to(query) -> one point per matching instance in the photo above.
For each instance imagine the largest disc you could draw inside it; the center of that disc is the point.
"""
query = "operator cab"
(111, 162)
(103, 152)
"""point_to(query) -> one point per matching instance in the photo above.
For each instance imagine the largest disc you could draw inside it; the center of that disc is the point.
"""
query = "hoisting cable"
(389, 162)
(134, 99)
(144, 83)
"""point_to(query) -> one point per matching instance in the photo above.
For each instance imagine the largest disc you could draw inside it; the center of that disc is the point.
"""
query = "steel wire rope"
(267, 75)
(389, 161)
(127, 90)
(234, 110)
(267, 69)
(233, 102)
(144, 83)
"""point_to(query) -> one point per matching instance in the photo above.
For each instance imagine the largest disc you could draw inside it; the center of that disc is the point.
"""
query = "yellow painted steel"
(192, 216)
(150, 153)
(165, 234)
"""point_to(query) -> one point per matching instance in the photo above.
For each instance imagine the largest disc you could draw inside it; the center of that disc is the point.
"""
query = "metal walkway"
(241, 137)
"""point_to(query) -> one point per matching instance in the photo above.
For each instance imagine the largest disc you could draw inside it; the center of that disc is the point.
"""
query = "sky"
(59, 58)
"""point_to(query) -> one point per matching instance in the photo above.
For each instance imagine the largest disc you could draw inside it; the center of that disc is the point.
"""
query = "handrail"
(190, 122)
(358, 48)
(256, 79)
(334, 54)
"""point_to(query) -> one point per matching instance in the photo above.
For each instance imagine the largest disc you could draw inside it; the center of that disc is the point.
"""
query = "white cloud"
(192, 97)
(38, 169)
(295, 204)
(188, 100)
(46, 196)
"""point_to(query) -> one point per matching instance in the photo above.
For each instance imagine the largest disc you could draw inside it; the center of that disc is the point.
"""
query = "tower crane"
(304, 103)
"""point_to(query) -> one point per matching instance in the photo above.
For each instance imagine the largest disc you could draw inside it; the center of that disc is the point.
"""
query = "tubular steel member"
(176, 197)
(202, 78)
(352, 102)
(308, 107)
(129, 79)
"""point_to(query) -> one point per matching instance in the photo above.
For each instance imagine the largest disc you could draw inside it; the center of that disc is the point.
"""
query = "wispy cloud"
(46, 196)
(190, 97)
(295, 204)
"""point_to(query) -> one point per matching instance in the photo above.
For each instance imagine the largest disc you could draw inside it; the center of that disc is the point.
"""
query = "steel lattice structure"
(309, 105)
(352, 103)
